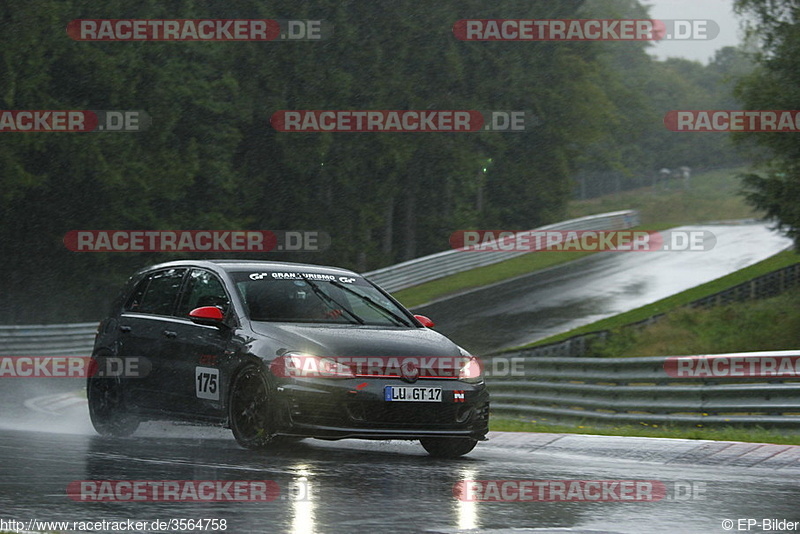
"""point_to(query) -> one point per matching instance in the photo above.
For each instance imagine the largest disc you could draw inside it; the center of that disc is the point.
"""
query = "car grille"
(386, 415)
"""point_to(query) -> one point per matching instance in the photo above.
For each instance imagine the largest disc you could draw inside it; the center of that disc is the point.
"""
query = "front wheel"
(249, 411)
(107, 408)
(448, 447)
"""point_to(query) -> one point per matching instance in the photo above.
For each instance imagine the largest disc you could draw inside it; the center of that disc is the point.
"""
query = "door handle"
(124, 328)
(170, 334)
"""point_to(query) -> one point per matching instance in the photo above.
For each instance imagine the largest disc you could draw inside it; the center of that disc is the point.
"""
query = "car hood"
(357, 340)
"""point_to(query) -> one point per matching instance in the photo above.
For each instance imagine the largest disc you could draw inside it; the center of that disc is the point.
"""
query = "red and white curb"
(664, 451)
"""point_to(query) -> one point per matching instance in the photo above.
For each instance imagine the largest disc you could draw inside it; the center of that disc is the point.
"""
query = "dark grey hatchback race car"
(277, 351)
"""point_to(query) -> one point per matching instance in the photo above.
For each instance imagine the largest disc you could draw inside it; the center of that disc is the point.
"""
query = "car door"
(199, 351)
(146, 324)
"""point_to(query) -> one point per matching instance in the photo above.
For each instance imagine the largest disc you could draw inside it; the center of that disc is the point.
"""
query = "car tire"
(249, 415)
(448, 447)
(107, 409)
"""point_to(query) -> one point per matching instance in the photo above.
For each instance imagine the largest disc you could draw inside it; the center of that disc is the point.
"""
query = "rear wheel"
(448, 447)
(249, 410)
(107, 408)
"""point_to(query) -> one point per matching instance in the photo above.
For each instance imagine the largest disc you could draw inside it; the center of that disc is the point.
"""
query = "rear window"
(157, 293)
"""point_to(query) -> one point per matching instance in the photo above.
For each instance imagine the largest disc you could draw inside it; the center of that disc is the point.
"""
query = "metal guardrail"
(47, 340)
(765, 286)
(638, 390)
(427, 268)
(616, 390)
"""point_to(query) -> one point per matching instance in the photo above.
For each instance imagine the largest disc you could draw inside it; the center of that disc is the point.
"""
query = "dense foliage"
(775, 85)
(211, 160)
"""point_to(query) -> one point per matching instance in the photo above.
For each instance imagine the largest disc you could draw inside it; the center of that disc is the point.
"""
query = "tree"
(775, 85)
(210, 160)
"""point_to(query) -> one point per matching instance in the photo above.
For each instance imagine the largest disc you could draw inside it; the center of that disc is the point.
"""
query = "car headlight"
(302, 365)
(472, 370)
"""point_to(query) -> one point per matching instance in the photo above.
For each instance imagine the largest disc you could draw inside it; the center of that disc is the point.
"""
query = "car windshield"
(317, 298)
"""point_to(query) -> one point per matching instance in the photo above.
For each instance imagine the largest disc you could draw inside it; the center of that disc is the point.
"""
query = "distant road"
(541, 304)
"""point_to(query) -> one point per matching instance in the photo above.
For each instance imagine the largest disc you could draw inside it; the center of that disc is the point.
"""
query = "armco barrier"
(441, 264)
(47, 340)
(612, 390)
(765, 286)
(638, 390)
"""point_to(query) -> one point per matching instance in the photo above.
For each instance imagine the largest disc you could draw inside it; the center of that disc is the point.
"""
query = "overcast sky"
(720, 11)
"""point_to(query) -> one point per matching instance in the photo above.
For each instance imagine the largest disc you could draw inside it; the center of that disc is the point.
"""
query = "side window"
(203, 289)
(156, 293)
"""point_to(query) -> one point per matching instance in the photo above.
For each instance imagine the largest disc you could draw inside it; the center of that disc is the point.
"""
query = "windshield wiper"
(389, 313)
(324, 296)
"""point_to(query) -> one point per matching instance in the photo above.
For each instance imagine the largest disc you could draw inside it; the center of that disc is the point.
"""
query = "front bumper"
(356, 408)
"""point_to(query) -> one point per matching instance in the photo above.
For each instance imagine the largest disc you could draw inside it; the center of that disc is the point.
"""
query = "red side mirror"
(427, 323)
(206, 315)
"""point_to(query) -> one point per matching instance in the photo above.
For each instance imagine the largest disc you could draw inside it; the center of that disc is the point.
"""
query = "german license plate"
(412, 394)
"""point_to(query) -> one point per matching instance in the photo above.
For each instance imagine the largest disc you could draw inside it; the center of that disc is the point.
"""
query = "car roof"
(237, 265)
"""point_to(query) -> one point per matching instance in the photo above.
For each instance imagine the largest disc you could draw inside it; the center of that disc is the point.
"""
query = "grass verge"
(760, 325)
(729, 433)
(713, 196)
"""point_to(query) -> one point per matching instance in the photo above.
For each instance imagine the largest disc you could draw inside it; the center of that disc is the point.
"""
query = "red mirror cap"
(427, 323)
(207, 313)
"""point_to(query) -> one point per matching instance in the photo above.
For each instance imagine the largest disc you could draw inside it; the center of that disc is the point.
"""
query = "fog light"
(464, 414)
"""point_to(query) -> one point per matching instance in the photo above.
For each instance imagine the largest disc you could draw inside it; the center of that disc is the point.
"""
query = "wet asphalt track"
(353, 486)
(46, 440)
(542, 304)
